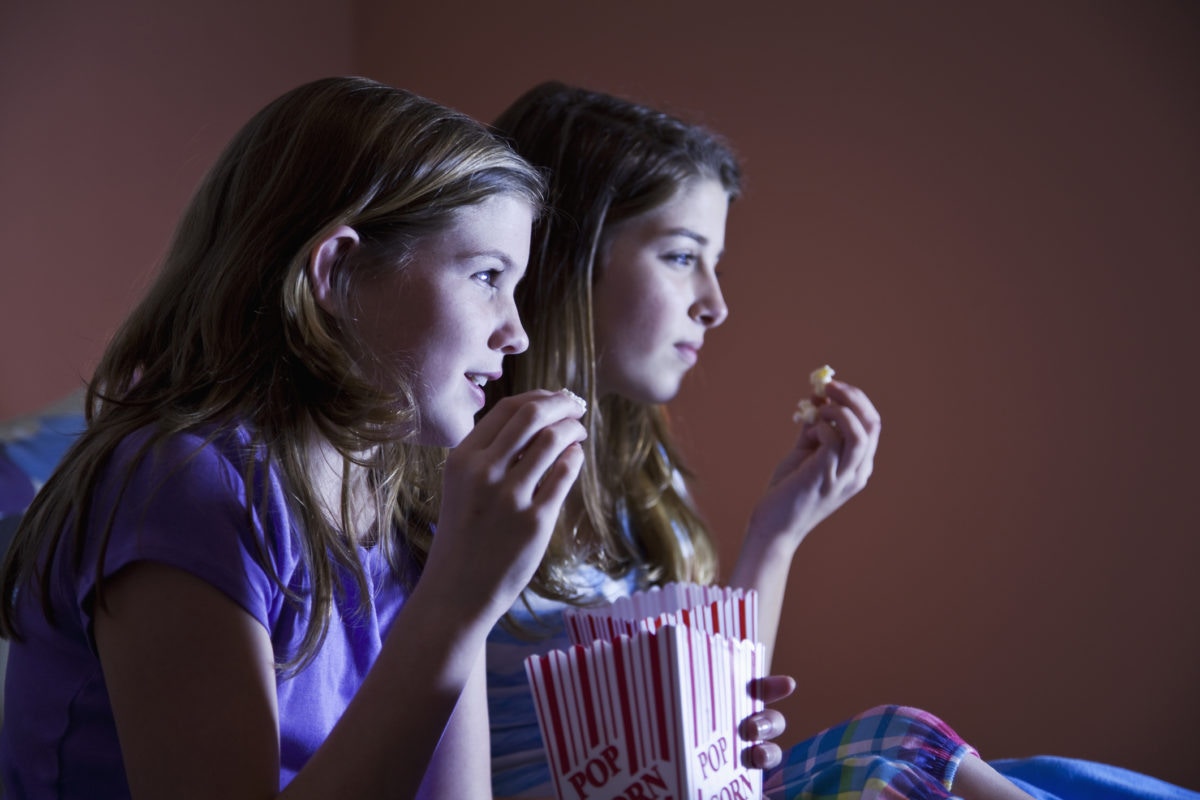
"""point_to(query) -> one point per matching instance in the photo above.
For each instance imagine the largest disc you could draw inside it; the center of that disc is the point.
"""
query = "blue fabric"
(16, 488)
(38, 450)
(1055, 778)
(30, 449)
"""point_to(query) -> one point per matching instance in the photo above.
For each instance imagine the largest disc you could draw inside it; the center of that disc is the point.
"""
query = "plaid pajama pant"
(884, 753)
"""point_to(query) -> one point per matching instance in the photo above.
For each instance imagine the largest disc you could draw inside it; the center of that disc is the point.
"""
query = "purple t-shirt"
(185, 507)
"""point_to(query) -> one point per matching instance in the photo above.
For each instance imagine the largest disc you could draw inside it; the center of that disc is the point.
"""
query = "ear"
(326, 255)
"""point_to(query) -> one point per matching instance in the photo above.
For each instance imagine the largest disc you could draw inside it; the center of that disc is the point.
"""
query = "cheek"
(394, 334)
(626, 306)
(652, 311)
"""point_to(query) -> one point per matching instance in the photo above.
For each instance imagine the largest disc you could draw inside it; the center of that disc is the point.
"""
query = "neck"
(327, 466)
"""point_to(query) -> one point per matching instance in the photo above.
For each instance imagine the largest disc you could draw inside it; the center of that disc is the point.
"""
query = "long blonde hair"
(607, 160)
(230, 335)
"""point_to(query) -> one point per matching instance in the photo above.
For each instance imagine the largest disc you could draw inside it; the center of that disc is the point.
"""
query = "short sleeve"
(182, 503)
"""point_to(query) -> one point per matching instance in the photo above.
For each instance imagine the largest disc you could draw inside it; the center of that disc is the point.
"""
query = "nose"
(510, 337)
(709, 309)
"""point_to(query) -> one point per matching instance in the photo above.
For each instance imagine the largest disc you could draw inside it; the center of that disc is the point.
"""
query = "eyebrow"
(698, 238)
(499, 255)
(689, 233)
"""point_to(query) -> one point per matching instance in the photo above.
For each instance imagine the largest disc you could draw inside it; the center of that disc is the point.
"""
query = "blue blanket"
(1054, 778)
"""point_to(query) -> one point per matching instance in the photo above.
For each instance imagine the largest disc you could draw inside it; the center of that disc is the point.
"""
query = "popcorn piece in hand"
(806, 410)
(820, 378)
(575, 397)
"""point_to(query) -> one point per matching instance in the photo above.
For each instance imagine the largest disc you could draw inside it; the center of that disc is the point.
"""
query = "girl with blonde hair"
(216, 593)
(621, 293)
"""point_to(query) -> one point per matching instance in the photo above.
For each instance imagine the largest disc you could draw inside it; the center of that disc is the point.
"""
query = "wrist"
(773, 540)
(447, 604)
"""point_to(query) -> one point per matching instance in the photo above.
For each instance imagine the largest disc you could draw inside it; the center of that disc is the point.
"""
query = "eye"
(681, 258)
(488, 276)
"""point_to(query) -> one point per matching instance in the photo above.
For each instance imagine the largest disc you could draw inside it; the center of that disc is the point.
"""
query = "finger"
(855, 444)
(533, 416)
(551, 493)
(490, 424)
(807, 440)
(529, 467)
(765, 724)
(855, 399)
(831, 442)
(772, 687)
(863, 459)
(767, 755)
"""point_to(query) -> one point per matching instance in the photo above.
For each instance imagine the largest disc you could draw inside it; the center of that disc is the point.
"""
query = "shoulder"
(188, 466)
(203, 486)
(200, 501)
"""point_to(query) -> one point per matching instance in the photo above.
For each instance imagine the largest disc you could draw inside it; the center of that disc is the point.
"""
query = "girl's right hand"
(502, 491)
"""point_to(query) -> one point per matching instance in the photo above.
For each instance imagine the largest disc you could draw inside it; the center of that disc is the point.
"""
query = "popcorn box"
(715, 609)
(653, 711)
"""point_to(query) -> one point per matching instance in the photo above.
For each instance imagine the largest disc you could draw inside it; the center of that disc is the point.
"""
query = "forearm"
(462, 766)
(763, 565)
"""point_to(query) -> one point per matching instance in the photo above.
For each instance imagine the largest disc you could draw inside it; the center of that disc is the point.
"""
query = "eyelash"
(488, 276)
(681, 259)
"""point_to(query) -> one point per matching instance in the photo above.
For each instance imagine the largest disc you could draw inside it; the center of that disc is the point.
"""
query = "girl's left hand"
(831, 462)
(766, 724)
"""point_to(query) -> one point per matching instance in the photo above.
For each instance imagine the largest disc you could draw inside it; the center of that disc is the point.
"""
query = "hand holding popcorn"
(806, 409)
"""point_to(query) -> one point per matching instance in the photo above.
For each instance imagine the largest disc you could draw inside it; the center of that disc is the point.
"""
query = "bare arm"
(462, 766)
(190, 674)
(830, 463)
(216, 677)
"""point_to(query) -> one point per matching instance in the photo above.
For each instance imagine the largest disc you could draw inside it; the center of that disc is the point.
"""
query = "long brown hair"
(230, 335)
(607, 160)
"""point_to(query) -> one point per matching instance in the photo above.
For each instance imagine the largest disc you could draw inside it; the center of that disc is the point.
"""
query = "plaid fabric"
(884, 753)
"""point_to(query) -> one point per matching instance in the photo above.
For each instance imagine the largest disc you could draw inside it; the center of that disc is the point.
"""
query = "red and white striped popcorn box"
(715, 609)
(650, 714)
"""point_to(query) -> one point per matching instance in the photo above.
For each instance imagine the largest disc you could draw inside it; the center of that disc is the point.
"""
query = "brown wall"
(109, 115)
(986, 216)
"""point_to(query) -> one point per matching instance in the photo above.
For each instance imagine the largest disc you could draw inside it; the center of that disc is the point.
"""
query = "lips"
(480, 379)
(688, 351)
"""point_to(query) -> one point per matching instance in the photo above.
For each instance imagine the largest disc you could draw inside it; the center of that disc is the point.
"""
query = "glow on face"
(448, 318)
(657, 293)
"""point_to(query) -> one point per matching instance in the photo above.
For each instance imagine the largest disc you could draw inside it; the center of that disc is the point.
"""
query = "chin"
(650, 390)
(654, 395)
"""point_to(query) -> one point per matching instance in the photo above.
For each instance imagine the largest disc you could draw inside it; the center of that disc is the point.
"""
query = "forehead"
(499, 224)
(699, 206)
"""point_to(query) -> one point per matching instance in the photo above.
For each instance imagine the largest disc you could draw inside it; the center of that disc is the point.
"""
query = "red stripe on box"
(561, 701)
(585, 691)
(619, 648)
(664, 746)
(573, 702)
(552, 708)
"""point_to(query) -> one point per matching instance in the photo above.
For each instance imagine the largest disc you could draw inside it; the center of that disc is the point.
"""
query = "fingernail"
(756, 729)
(763, 729)
(575, 397)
